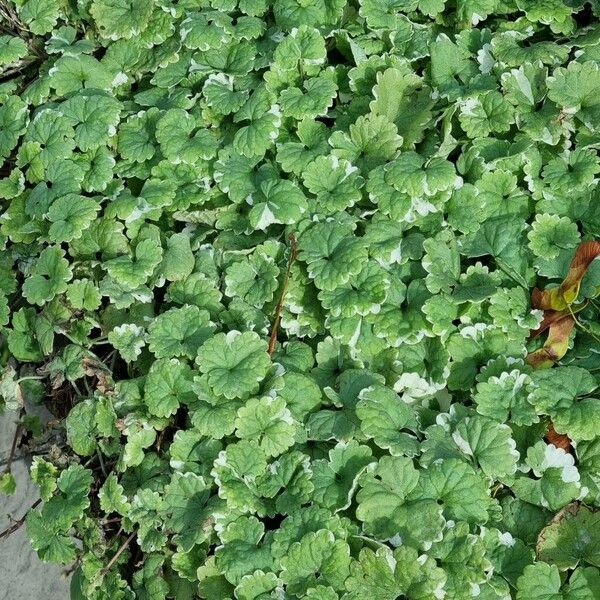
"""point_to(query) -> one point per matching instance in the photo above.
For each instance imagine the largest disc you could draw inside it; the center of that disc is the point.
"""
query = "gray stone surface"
(24, 576)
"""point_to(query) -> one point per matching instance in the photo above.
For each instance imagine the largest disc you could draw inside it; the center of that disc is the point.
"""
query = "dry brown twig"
(18, 524)
(118, 553)
(8, 14)
(13, 449)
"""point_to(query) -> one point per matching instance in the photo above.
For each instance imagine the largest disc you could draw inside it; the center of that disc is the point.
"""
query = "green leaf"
(182, 139)
(540, 581)
(411, 174)
(48, 528)
(51, 546)
(256, 585)
(335, 480)
(49, 138)
(140, 435)
(136, 137)
(8, 484)
(572, 172)
(571, 539)
(221, 95)
(13, 118)
(556, 394)
(390, 574)
(128, 339)
(442, 262)
(39, 15)
(70, 215)
(178, 258)
(487, 113)
(267, 421)
(504, 395)
(254, 279)
(490, 443)
(117, 19)
(73, 73)
(12, 49)
(179, 332)
(351, 415)
(81, 428)
(23, 345)
(44, 474)
(48, 277)
(576, 87)
(190, 452)
(550, 235)
(311, 142)
(83, 294)
(234, 363)
(312, 101)
(255, 138)
(462, 491)
(111, 496)
(206, 31)
(383, 416)
(556, 480)
(371, 141)
(316, 555)
(363, 295)
(237, 469)
(385, 508)
(13, 185)
(335, 183)
(10, 390)
(168, 384)
(94, 116)
(332, 254)
(279, 202)
(186, 509)
(131, 272)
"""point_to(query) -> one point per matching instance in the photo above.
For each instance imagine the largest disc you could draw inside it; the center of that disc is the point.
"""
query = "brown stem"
(10, 15)
(13, 448)
(18, 524)
(159, 441)
(17, 69)
(279, 307)
(120, 551)
(496, 489)
(72, 568)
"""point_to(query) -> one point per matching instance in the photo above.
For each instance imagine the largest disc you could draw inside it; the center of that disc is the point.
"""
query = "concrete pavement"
(24, 576)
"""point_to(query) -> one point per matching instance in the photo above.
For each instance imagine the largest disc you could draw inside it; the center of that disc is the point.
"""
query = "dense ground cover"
(271, 265)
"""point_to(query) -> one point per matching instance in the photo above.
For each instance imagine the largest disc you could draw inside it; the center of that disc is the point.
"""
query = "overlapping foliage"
(397, 176)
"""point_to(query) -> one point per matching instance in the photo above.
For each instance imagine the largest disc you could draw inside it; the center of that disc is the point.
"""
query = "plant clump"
(310, 288)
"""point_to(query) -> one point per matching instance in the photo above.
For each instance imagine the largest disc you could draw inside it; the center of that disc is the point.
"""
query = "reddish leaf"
(560, 440)
(555, 346)
(561, 297)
